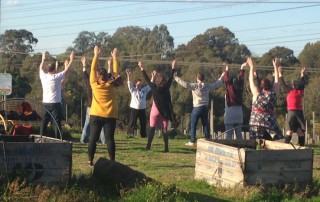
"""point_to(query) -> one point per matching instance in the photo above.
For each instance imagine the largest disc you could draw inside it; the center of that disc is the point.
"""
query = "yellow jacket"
(103, 95)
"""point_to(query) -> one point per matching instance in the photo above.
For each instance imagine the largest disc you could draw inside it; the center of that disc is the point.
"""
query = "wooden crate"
(231, 163)
(38, 159)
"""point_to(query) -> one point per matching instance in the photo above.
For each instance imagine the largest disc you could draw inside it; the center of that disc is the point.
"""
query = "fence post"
(313, 127)
(211, 119)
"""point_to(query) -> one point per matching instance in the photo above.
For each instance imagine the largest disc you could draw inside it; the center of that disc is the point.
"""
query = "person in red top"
(295, 120)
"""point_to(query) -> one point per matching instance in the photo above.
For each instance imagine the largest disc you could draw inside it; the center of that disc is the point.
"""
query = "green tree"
(285, 55)
(17, 41)
(86, 40)
(214, 45)
(310, 55)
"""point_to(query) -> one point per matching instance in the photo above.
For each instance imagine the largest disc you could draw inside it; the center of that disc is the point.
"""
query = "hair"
(51, 67)
(160, 81)
(200, 76)
(136, 81)
(104, 75)
(265, 84)
(296, 84)
(235, 82)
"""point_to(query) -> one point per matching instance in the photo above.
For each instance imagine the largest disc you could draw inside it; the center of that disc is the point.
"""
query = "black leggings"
(109, 126)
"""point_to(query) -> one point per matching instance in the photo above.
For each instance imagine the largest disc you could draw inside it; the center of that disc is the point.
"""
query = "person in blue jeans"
(200, 95)
(86, 129)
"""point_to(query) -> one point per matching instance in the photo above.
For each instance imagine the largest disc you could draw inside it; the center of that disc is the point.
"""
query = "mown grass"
(174, 171)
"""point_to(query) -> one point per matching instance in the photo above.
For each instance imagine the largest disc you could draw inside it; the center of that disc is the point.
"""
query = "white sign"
(5, 84)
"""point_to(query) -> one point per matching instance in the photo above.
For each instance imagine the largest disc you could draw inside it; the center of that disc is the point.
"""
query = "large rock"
(118, 175)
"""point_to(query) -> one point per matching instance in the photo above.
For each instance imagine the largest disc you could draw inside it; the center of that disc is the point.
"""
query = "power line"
(46, 7)
(208, 1)
(181, 63)
(203, 19)
(38, 2)
(128, 16)
(74, 11)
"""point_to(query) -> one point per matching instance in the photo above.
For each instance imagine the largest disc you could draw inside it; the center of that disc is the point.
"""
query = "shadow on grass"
(192, 196)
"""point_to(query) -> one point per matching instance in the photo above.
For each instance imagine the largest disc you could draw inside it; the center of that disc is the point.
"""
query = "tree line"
(206, 53)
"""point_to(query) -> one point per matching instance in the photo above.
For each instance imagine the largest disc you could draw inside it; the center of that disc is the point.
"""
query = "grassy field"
(174, 170)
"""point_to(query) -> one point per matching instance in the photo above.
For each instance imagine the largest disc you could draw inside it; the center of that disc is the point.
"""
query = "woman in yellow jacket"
(104, 110)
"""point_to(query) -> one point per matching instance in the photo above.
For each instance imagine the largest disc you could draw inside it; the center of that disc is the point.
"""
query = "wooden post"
(313, 126)
(211, 118)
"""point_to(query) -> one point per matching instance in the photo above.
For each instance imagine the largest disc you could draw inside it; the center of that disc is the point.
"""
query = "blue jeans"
(202, 113)
(86, 130)
(237, 129)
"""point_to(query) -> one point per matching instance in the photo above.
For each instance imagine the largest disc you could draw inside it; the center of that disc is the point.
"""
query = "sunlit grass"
(174, 171)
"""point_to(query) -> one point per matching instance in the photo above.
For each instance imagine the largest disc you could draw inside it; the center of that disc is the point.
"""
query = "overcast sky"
(261, 25)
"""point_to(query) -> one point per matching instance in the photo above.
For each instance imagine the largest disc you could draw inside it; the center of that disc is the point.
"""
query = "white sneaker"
(191, 144)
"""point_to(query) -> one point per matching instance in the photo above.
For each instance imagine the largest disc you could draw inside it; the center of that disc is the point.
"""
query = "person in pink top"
(295, 120)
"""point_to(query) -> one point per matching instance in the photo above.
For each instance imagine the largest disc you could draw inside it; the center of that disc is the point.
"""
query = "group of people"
(263, 121)
(102, 109)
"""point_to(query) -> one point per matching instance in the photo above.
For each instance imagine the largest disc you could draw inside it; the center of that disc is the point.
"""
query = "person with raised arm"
(262, 119)
(86, 127)
(200, 94)
(233, 116)
(162, 110)
(51, 82)
(138, 105)
(295, 122)
(104, 109)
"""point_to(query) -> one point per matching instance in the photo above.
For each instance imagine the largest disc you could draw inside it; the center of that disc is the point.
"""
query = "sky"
(260, 25)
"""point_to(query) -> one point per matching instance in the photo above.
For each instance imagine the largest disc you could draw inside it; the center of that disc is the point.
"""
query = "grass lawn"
(174, 170)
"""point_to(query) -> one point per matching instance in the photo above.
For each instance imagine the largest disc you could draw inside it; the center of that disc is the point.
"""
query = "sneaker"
(191, 144)
(90, 163)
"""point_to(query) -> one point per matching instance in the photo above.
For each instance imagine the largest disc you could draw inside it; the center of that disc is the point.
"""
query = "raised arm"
(68, 67)
(302, 77)
(241, 71)
(43, 60)
(253, 86)
(145, 76)
(94, 64)
(173, 69)
(218, 83)
(84, 71)
(57, 65)
(115, 68)
(286, 87)
(275, 63)
(110, 63)
(128, 72)
(153, 75)
(226, 75)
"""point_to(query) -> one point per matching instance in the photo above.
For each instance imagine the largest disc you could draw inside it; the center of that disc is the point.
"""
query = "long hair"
(236, 84)
(265, 84)
(160, 81)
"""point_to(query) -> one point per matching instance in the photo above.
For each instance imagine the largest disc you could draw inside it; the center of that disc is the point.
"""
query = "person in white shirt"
(51, 87)
(138, 105)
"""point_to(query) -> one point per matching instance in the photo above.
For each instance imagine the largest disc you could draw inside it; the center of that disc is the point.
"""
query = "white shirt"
(138, 97)
(51, 86)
